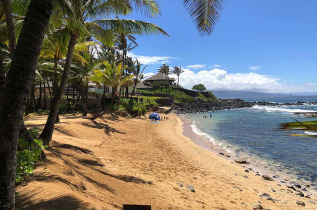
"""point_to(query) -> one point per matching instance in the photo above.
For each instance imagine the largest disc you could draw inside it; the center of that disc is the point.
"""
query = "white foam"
(212, 139)
(311, 133)
(277, 109)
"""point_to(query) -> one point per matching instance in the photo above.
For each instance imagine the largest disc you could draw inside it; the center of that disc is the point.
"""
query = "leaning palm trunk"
(55, 85)
(19, 82)
(47, 132)
(10, 26)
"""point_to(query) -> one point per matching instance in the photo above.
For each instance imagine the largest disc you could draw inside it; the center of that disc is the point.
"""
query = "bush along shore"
(199, 105)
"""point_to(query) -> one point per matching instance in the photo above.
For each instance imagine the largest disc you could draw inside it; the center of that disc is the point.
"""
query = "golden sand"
(105, 163)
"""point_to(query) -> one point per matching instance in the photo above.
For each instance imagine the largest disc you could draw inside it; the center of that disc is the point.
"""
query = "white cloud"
(146, 60)
(196, 66)
(218, 79)
(255, 68)
(217, 66)
(147, 75)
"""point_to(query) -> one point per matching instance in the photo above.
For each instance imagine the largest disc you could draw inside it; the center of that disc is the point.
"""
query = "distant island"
(226, 94)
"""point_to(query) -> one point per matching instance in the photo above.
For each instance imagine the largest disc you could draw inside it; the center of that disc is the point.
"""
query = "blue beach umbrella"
(154, 116)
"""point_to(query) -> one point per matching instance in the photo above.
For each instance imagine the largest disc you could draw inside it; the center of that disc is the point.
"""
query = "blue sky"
(261, 45)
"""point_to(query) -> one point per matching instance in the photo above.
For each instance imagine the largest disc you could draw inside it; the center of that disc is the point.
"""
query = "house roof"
(140, 85)
(159, 76)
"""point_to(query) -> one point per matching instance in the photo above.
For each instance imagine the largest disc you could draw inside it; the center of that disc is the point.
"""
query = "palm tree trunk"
(178, 80)
(84, 95)
(49, 88)
(19, 82)
(55, 85)
(47, 132)
(10, 26)
(103, 104)
(2, 77)
(44, 94)
(40, 102)
(113, 97)
(131, 97)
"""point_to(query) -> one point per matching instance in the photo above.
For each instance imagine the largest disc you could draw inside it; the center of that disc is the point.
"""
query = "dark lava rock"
(257, 207)
(268, 178)
(247, 170)
(245, 176)
(191, 188)
(267, 196)
(291, 187)
(241, 161)
(300, 203)
(296, 185)
(304, 189)
(221, 153)
(276, 176)
(300, 194)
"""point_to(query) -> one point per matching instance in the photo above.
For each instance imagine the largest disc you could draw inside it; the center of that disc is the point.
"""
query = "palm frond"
(130, 26)
(205, 14)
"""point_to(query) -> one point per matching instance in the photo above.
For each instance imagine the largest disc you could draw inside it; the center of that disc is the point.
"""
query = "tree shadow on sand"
(104, 126)
(66, 202)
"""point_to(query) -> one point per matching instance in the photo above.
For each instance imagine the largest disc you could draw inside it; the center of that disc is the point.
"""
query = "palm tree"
(18, 86)
(78, 24)
(137, 73)
(178, 71)
(82, 70)
(111, 76)
(165, 70)
(124, 45)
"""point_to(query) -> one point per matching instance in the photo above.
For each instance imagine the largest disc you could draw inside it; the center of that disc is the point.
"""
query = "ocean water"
(253, 132)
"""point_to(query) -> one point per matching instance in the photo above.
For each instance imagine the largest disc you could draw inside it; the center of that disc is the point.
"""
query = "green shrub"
(27, 156)
(139, 108)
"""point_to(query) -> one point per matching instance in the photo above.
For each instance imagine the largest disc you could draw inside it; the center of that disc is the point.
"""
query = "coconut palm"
(82, 70)
(178, 71)
(81, 22)
(17, 90)
(165, 70)
(137, 72)
(111, 76)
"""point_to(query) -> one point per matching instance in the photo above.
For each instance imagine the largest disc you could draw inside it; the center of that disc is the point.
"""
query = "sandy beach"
(105, 163)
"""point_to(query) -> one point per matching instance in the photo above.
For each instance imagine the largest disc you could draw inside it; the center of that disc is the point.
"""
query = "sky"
(257, 45)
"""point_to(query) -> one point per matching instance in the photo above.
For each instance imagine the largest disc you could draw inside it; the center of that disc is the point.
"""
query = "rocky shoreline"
(223, 104)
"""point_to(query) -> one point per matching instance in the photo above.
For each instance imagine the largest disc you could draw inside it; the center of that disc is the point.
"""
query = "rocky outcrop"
(200, 105)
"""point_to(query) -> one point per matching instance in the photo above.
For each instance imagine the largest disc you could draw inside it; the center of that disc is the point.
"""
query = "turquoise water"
(253, 132)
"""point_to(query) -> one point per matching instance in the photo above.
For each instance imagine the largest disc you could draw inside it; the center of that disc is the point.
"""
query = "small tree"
(199, 87)
(165, 70)
(178, 71)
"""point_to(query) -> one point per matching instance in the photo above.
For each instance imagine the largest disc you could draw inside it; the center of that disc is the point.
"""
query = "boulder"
(257, 207)
(268, 178)
(241, 160)
(300, 203)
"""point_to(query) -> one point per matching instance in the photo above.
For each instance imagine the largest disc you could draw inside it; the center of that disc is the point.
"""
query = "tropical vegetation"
(39, 41)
